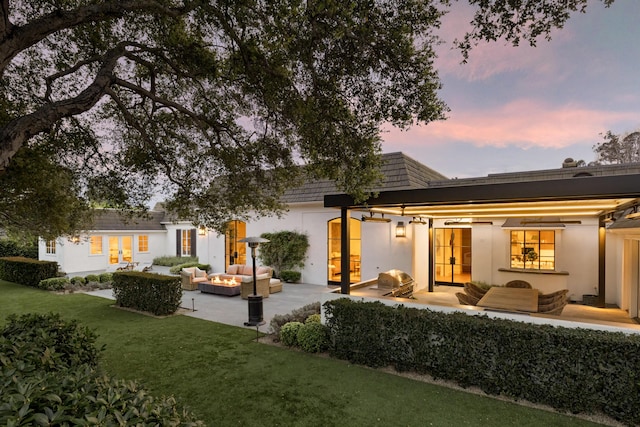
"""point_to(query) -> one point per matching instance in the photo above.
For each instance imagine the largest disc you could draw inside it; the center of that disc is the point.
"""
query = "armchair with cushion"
(243, 274)
(191, 276)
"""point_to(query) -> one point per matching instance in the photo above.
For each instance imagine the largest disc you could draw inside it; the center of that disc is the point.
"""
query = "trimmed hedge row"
(49, 376)
(154, 293)
(574, 370)
(26, 271)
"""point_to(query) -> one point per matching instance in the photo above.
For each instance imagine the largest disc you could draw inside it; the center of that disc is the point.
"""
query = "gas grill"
(397, 282)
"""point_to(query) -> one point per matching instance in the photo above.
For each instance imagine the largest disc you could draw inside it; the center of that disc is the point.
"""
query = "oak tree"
(618, 149)
(212, 103)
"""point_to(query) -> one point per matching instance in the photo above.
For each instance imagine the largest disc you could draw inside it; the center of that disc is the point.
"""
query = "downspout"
(345, 251)
(602, 232)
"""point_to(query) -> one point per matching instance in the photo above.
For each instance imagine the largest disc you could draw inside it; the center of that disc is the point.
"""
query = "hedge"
(26, 271)
(51, 377)
(154, 293)
(574, 370)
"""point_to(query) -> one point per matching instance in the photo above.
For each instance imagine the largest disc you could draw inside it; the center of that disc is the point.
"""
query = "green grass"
(227, 378)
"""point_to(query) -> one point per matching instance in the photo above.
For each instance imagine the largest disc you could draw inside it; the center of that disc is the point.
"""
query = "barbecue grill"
(397, 282)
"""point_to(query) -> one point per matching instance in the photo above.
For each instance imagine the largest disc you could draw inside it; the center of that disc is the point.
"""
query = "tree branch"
(15, 133)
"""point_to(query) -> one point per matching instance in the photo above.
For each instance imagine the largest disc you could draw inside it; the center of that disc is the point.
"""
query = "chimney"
(569, 163)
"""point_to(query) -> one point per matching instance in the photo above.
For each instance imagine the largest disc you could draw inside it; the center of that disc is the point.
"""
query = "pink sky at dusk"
(528, 108)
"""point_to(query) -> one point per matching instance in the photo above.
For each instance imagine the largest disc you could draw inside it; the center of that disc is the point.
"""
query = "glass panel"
(334, 255)
(143, 243)
(236, 251)
(452, 255)
(186, 242)
(96, 245)
(127, 248)
(533, 249)
(114, 250)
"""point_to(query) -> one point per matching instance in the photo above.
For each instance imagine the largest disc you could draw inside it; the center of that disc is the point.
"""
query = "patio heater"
(255, 301)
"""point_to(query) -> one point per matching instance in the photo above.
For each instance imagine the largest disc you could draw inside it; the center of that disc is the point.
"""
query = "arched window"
(335, 253)
(235, 250)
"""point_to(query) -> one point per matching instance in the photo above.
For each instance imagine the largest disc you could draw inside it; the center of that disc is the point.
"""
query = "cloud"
(523, 123)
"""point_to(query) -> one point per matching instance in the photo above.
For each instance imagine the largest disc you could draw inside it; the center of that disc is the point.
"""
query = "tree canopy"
(213, 103)
(618, 149)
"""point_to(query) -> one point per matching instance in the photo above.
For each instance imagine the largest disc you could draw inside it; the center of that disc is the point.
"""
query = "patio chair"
(555, 307)
(142, 266)
(466, 299)
(518, 284)
(552, 297)
(474, 290)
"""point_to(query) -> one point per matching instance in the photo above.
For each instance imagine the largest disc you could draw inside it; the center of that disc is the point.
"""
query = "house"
(570, 228)
(565, 228)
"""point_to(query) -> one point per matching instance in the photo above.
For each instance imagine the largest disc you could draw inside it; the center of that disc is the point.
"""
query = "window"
(143, 243)
(533, 249)
(186, 242)
(95, 245)
(51, 247)
(334, 244)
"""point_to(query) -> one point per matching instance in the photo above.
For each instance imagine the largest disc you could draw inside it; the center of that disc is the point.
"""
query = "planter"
(589, 299)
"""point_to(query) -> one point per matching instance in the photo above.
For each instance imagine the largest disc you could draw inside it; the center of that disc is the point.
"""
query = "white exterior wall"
(76, 257)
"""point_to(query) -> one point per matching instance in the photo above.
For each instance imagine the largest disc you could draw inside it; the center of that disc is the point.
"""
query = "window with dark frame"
(533, 249)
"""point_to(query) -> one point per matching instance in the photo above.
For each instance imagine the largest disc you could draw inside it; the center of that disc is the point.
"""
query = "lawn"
(226, 378)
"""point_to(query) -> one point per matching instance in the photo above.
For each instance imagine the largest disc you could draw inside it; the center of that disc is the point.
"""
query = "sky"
(529, 108)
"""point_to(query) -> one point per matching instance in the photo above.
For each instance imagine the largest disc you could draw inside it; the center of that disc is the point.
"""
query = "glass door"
(334, 246)
(235, 251)
(120, 249)
(452, 255)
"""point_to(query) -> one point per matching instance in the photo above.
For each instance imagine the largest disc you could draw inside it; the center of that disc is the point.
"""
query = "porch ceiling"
(579, 196)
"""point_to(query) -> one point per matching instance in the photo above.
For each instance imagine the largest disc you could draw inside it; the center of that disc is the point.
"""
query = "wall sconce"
(202, 230)
(401, 230)
(75, 239)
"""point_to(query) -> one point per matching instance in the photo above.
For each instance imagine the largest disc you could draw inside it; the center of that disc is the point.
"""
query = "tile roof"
(112, 220)
(400, 171)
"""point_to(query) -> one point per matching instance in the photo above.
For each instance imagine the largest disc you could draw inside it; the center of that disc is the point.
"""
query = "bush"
(284, 251)
(290, 276)
(52, 373)
(92, 278)
(26, 271)
(313, 337)
(154, 293)
(10, 248)
(297, 315)
(314, 318)
(54, 284)
(170, 261)
(572, 370)
(105, 277)
(78, 280)
(289, 333)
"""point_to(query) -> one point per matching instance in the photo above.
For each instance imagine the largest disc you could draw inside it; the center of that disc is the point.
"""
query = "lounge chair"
(552, 297)
(143, 266)
(518, 284)
(474, 290)
(466, 299)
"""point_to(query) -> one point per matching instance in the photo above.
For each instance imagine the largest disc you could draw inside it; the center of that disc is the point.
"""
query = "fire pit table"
(219, 287)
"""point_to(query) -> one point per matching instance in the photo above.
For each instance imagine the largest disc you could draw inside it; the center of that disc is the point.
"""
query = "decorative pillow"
(263, 270)
(190, 270)
(247, 270)
(233, 269)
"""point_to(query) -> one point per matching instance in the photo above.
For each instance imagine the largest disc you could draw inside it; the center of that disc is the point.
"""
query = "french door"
(452, 255)
(120, 249)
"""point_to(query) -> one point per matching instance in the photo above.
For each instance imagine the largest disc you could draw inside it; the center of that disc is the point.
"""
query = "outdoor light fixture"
(371, 218)
(75, 239)
(202, 230)
(401, 230)
(634, 214)
(256, 317)
(418, 220)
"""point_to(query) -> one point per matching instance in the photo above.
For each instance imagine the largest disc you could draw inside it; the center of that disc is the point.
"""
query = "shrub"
(297, 315)
(290, 276)
(78, 280)
(289, 333)
(154, 293)
(92, 278)
(26, 271)
(105, 277)
(284, 251)
(67, 344)
(10, 247)
(313, 337)
(170, 261)
(54, 284)
(314, 318)
(52, 373)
